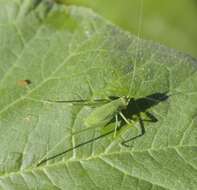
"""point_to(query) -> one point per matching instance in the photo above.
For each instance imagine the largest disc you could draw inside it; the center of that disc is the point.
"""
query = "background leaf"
(69, 53)
(169, 22)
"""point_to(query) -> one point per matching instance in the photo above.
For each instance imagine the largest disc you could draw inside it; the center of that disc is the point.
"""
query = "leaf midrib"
(33, 169)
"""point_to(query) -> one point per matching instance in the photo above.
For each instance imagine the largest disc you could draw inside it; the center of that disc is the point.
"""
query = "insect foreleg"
(124, 118)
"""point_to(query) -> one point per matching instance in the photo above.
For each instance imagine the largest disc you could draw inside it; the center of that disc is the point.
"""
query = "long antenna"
(140, 17)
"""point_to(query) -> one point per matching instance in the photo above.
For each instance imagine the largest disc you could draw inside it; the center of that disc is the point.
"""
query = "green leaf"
(162, 21)
(49, 51)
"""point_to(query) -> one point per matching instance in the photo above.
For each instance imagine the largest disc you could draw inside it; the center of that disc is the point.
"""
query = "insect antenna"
(81, 101)
(140, 17)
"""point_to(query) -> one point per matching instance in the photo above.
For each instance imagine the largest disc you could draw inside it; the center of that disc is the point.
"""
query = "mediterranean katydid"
(105, 113)
(101, 115)
(111, 108)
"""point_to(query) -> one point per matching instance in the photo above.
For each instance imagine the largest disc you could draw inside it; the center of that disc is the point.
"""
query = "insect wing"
(104, 114)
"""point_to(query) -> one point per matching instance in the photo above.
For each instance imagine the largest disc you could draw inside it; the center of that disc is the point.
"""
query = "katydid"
(101, 115)
(110, 109)
(105, 113)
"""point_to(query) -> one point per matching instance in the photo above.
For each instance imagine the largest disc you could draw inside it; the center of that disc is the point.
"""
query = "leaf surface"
(49, 51)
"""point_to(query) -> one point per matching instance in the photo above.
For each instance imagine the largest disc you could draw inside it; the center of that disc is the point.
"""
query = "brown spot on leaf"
(24, 83)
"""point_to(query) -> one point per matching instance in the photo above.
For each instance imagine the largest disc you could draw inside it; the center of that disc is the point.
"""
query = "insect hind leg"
(124, 143)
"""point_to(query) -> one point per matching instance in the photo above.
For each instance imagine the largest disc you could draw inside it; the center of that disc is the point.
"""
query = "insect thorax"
(125, 100)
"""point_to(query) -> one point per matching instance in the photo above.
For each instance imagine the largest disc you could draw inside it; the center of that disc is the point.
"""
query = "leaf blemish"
(24, 83)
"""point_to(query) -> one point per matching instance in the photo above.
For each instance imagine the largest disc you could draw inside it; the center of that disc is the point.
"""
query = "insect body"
(101, 116)
(110, 109)
(105, 113)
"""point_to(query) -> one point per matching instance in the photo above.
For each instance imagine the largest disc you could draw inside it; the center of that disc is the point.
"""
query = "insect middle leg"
(124, 118)
(124, 143)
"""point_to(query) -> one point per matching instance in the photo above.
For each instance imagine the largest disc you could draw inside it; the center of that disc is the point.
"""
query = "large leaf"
(50, 51)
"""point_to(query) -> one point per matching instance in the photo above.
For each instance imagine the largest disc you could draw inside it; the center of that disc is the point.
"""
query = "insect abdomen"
(103, 114)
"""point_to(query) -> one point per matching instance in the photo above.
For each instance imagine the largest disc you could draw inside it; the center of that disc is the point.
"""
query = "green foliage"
(87, 57)
(169, 22)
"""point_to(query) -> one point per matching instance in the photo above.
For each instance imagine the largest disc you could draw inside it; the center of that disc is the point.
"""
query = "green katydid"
(101, 115)
(105, 113)
(111, 108)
